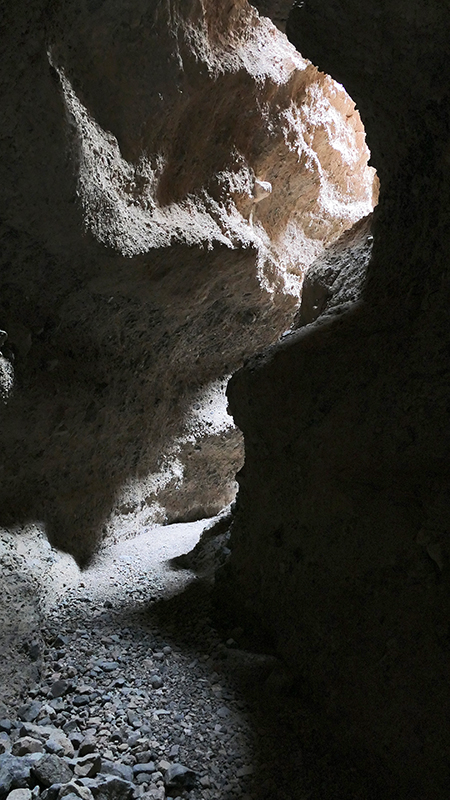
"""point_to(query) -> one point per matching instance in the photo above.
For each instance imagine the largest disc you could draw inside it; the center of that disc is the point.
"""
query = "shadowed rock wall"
(340, 545)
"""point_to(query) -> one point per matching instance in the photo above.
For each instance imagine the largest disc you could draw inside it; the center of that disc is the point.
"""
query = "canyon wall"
(168, 172)
(340, 544)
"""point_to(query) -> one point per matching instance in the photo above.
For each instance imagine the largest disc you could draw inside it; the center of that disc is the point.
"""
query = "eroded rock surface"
(168, 172)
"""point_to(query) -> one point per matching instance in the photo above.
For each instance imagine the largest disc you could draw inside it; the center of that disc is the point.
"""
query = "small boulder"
(88, 766)
(59, 688)
(74, 787)
(14, 773)
(20, 794)
(54, 747)
(26, 745)
(119, 770)
(88, 745)
(108, 666)
(45, 733)
(144, 768)
(52, 769)
(115, 789)
(81, 700)
(29, 712)
(51, 793)
(179, 777)
(154, 793)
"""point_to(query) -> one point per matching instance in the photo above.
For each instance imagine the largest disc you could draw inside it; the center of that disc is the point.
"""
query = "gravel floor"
(119, 671)
(130, 659)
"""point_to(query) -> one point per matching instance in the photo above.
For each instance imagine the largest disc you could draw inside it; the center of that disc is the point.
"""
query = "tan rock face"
(170, 170)
(340, 543)
(242, 109)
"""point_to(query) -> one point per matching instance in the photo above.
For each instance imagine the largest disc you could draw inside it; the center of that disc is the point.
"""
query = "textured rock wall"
(341, 539)
(168, 171)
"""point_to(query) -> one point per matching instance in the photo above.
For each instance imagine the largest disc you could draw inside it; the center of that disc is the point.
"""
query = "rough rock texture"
(335, 282)
(168, 171)
(340, 546)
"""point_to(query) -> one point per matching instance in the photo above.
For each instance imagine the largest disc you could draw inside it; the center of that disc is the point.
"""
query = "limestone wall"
(168, 171)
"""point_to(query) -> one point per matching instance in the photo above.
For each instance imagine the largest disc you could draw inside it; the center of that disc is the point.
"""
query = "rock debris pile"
(120, 710)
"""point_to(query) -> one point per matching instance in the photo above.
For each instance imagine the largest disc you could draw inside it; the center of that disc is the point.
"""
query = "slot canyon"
(224, 391)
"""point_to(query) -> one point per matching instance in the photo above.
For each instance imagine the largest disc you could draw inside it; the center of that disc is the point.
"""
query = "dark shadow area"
(296, 753)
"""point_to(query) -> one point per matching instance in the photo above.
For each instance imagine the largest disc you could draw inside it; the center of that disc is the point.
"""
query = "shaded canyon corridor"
(205, 286)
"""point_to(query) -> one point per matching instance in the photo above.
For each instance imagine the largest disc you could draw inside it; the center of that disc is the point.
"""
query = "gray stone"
(5, 743)
(80, 700)
(72, 796)
(88, 766)
(14, 773)
(26, 745)
(108, 666)
(6, 725)
(20, 794)
(52, 769)
(143, 777)
(156, 681)
(34, 650)
(154, 793)
(120, 770)
(88, 745)
(179, 777)
(29, 712)
(138, 769)
(143, 757)
(57, 704)
(134, 719)
(77, 788)
(114, 788)
(70, 726)
(76, 737)
(54, 747)
(52, 792)
(59, 688)
(34, 758)
(45, 733)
